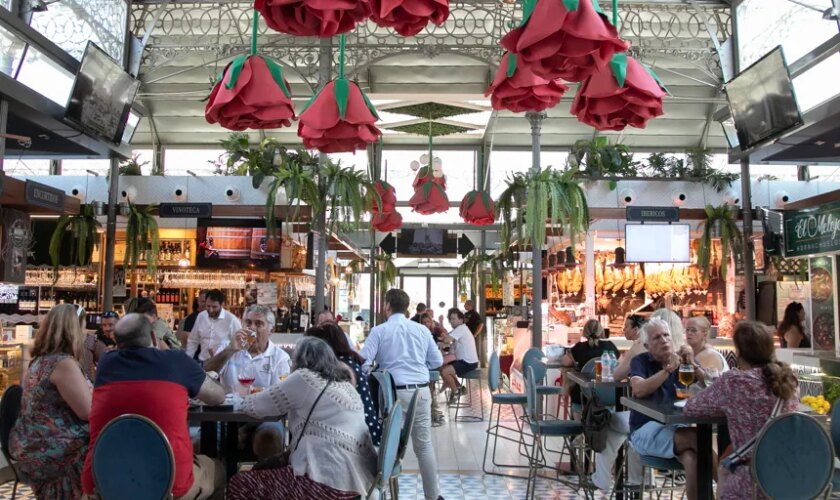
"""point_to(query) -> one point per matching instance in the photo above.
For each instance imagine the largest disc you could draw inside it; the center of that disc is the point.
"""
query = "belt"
(412, 386)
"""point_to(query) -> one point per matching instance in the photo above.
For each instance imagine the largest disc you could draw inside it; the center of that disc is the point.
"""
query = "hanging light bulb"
(424, 159)
(414, 165)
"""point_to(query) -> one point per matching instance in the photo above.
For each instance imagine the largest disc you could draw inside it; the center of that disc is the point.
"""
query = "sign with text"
(44, 196)
(186, 210)
(822, 274)
(652, 214)
(813, 230)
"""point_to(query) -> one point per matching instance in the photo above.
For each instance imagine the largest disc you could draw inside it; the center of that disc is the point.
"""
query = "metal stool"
(499, 399)
(468, 377)
(670, 464)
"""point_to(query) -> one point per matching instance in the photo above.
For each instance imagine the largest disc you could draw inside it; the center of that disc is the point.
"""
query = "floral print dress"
(745, 400)
(48, 440)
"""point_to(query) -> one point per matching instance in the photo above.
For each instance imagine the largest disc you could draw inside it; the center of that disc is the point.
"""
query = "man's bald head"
(134, 330)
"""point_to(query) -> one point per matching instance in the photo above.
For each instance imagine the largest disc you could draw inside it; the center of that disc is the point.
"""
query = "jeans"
(421, 438)
(616, 435)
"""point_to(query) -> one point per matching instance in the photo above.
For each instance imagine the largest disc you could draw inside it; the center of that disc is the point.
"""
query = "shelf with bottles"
(172, 253)
(68, 277)
(44, 298)
(11, 365)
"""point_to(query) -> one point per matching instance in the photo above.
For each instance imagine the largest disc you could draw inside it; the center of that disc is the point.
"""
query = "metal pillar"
(4, 116)
(536, 119)
(749, 265)
(320, 225)
(111, 236)
(589, 278)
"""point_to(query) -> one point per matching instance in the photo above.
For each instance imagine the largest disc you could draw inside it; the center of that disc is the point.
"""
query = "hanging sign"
(652, 214)
(813, 230)
(186, 210)
(44, 196)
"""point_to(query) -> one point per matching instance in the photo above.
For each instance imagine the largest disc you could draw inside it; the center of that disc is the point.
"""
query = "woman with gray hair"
(332, 453)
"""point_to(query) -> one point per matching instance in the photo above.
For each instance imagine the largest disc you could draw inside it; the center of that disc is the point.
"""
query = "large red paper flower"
(409, 17)
(567, 39)
(387, 221)
(624, 93)
(426, 174)
(340, 118)
(386, 194)
(430, 198)
(477, 208)
(322, 18)
(252, 93)
(516, 88)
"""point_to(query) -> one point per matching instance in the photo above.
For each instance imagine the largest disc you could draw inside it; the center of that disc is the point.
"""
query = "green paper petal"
(427, 188)
(656, 77)
(486, 199)
(341, 89)
(597, 7)
(277, 73)
(619, 68)
(571, 4)
(471, 198)
(527, 9)
(235, 69)
(369, 104)
(511, 69)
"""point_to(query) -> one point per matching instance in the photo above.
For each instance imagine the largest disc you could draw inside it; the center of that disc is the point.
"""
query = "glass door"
(442, 297)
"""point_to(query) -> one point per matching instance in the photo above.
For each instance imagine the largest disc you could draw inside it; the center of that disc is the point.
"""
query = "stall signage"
(813, 230)
(44, 196)
(653, 214)
(823, 327)
(186, 210)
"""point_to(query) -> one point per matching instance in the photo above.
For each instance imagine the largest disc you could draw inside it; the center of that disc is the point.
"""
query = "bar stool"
(499, 399)
(468, 377)
(671, 465)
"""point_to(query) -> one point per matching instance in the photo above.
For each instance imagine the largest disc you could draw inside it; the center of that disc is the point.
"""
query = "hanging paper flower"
(251, 93)
(409, 17)
(339, 118)
(567, 39)
(322, 18)
(477, 208)
(516, 88)
(430, 198)
(427, 174)
(385, 222)
(624, 93)
(386, 194)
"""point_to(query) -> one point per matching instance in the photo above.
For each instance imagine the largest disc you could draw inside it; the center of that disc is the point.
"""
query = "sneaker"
(453, 399)
(462, 390)
(678, 477)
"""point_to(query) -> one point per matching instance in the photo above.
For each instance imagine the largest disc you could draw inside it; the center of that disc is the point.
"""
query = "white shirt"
(268, 366)
(212, 334)
(405, 348)
(464, 344)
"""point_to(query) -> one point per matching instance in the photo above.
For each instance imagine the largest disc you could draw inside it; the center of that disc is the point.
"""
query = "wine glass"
(686, 378)
(246, 376)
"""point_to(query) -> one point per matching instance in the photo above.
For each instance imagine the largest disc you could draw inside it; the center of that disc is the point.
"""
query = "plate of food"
(824, 331)
(820, 285)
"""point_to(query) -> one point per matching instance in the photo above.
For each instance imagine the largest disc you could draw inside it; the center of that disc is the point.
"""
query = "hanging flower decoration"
(387, 221)
(340, 118)
(386, 194)
(477, 208)
(409, 17)
(516, 88)
(321, 18)
(568, 39)
(251, 92)
(624, 93)
(430, 189)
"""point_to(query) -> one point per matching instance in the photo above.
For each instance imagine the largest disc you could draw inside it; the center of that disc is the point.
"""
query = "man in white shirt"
(408, 351)
(466, 354)
(214, 328)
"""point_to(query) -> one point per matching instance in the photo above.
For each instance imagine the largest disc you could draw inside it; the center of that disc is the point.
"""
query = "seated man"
(654, 376)
(140, 379)
(466, 354)
(252, 346)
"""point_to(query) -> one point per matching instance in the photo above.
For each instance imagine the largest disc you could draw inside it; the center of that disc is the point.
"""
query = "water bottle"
(613, 363)
(606, 366)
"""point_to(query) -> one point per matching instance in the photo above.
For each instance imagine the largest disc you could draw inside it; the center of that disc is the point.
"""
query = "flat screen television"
(240, 244)
(762, 100)
(657, 243)
(102, 95)
(425, 242)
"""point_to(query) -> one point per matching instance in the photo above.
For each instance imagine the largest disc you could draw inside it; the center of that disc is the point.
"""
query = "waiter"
(408, 351)
(472, 319)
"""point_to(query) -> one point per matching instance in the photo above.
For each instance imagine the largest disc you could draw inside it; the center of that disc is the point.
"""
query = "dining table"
(667, 413)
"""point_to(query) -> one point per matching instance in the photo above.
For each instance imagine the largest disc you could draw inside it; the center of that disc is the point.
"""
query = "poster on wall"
(267, 294)
(823, 286)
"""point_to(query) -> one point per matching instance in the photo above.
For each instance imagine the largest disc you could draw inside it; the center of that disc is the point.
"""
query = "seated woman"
(50, 438)
(790, 329)
(746, 397)
(438, 332)
(632, 325)
(333, 335)
(591, 346)
(707, 360)
(332, 454)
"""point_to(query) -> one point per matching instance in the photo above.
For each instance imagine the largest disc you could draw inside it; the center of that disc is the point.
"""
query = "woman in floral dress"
(50, 439)
(746, 398)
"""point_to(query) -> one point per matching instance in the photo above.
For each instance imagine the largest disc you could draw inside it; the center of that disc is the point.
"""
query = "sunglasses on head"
(109, 314)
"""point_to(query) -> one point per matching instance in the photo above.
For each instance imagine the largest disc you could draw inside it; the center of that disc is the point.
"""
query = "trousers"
(421, 438)
(616, 435)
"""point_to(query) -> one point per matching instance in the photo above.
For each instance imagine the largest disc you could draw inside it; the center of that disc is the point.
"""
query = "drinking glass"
(246, 376)
(598, 369)
(686, 378)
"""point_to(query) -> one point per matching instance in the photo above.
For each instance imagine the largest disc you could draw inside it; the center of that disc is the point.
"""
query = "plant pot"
(98, 208)
(715, 230)
(125, 210)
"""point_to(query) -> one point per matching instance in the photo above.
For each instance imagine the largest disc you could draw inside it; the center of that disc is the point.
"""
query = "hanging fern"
(295, 174)
(386, 272)
(83, 228)
(141, 234)
(731, 239)
(476, 263)
(347, 194)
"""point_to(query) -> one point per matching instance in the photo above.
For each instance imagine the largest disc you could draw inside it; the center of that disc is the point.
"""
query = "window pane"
(24, 166)
(415, 287)
(442, 297)
(84, 167)
(71, 23)
(818, 84)
(11, 50)
(458, 167)
(357, 160)
(503, 164)
(42, 75)
(198, 161)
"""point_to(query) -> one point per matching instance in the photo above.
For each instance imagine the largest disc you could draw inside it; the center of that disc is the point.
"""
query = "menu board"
(823, 296)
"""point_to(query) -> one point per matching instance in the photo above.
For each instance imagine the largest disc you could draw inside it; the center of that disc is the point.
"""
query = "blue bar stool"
(499, 399)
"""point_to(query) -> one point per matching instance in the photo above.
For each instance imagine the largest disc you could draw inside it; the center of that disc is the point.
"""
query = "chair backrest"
(405, 434)
(589, 367)
(606, 395)
(835, 426)
(132, 460)
(793, 458)
(386, 391)
(494, 373)
(9, 411)
(531, 393)
(532, 359)
(389, 446)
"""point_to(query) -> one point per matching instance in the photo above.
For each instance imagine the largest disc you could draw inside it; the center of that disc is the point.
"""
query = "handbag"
(283, 459)
(741, 455)
(596, 423)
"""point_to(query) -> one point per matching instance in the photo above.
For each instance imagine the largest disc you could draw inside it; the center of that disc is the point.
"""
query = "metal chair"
(671, 465)
(388, 451)
(9, 411)
(387, 400)
(477, 375)
(499, 399)
(133, 460)
(835, 440)
(789, 446)
(437, 415)
(405, 435)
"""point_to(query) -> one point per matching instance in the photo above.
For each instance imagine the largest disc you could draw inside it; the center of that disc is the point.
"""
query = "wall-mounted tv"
(240, 244)
(762, 100)
(426, 242)
(657, 243)
(102, 95)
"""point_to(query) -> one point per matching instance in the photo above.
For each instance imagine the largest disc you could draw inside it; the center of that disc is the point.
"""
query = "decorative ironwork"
(71, 23)
(218, 31)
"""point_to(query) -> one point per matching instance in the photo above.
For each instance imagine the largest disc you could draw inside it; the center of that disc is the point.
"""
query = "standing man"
(407, 351)
(214, 328)
(421, 310)
(186, 326)
(473, 319)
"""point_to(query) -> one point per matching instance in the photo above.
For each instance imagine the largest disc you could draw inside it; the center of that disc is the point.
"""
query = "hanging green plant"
(598, 158)
(346, 194)
(242, 158)
(477, 263)
(141, 235)
(132, 166)
(83, 230)
(720, 224)
(295, 175)
(386, 272)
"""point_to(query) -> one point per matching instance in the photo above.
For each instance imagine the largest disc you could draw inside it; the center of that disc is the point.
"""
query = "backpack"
(596, 422)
